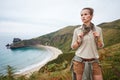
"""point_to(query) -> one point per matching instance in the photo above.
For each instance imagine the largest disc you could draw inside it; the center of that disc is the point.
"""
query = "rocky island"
(16, 44)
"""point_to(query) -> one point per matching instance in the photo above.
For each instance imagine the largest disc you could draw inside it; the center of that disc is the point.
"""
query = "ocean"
(21, 59)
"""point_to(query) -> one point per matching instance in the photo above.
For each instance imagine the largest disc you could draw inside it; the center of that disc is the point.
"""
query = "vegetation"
(59, 69)
(110, 61)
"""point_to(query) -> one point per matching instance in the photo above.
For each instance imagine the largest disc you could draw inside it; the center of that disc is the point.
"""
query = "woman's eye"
(85, 14)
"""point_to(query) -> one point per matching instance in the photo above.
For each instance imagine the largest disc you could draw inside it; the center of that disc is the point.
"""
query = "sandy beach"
(55, 53)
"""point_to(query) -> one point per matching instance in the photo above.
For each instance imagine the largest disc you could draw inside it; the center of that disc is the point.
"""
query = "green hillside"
(111, 32)
(60, 39)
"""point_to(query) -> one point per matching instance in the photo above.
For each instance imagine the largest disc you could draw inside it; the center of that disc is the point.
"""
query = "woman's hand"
(96, 34)
(80, 37)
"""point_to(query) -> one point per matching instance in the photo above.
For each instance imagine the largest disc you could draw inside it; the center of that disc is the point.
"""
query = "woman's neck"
(87, 24)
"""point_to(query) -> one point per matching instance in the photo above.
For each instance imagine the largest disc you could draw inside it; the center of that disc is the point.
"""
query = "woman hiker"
(86, 40)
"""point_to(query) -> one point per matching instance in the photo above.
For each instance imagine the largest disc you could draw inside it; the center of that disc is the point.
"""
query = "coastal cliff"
(58, 39)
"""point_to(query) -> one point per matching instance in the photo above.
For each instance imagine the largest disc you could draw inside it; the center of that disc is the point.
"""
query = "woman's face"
(86, 17)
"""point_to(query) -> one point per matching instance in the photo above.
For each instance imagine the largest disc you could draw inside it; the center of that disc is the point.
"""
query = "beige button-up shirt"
(88, 48)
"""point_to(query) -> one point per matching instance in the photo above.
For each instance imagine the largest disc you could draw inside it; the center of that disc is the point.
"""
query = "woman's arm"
(77, 40)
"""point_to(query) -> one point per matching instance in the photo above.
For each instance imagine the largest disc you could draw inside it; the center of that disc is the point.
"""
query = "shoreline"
(36, 67)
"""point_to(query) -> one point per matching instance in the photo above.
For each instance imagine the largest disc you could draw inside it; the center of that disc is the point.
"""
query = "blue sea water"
(20, 59)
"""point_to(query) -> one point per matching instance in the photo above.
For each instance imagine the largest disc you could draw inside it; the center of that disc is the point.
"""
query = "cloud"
(15, 27)
(52, 14)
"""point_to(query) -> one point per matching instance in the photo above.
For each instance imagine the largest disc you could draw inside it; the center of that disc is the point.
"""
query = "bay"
(22, 58)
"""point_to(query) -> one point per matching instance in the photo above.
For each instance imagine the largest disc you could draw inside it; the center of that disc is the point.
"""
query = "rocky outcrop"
(16, 40)
(17, 43)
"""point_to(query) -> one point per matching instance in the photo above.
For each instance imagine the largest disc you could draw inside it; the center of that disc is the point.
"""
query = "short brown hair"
(90, 9)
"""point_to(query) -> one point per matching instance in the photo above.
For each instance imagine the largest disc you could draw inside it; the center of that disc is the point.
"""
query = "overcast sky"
(44, 16)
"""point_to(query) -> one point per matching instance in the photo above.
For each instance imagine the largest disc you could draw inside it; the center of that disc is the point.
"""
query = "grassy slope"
(60, 39)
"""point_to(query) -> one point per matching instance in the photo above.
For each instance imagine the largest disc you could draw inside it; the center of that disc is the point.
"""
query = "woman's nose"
(83, 16)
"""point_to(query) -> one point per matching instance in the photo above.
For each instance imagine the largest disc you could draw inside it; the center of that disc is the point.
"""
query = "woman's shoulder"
(78, 28)
(98, 28)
